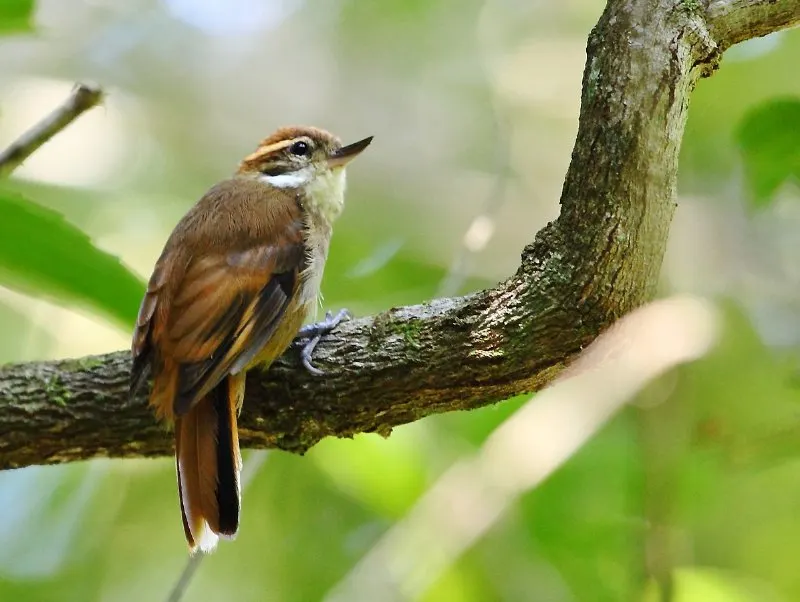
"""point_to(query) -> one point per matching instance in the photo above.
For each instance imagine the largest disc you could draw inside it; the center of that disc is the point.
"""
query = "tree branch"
(82, 98)
(599, 260)
(734, 21)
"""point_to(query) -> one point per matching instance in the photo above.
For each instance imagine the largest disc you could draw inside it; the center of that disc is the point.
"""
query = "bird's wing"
(222, 311)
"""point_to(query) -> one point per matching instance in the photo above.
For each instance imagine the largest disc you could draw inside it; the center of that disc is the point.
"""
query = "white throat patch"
(294, 179)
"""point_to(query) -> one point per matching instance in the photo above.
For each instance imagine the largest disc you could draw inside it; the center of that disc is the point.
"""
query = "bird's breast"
(317, 241)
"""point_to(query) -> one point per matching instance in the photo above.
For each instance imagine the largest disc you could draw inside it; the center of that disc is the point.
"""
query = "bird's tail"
(209, 464)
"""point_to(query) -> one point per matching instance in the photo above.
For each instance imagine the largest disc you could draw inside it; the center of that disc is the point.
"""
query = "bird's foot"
(311, 334)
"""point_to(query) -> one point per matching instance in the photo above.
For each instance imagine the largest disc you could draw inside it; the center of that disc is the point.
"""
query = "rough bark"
(597, 261)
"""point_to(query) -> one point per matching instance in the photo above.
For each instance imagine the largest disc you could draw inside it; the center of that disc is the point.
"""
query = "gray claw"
(315, 332)
(309, 331)
(305, 356)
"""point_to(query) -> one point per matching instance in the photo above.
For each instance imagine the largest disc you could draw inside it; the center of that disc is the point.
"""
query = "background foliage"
(473, 105)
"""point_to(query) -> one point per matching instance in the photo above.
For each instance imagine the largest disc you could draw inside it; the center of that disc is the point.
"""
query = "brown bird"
(236, 280)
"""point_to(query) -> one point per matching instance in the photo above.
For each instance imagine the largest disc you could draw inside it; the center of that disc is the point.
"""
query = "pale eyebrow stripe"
(267, 150)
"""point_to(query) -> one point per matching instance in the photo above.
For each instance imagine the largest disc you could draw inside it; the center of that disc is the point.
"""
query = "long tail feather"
(209, 464)
(228, 501)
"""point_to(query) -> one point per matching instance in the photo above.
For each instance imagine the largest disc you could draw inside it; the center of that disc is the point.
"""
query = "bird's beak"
(343, 156)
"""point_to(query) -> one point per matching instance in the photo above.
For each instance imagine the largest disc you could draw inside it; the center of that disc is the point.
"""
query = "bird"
(238, 277)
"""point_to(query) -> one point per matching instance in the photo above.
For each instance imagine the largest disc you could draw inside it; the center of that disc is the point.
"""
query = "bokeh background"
(473, 105)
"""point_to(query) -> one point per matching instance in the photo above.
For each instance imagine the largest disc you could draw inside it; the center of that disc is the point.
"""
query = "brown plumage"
(236, 280)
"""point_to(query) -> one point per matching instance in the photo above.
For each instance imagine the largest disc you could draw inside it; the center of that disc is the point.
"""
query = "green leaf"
(770, 143)
(705, 584)
(43, 255)
(16, 16)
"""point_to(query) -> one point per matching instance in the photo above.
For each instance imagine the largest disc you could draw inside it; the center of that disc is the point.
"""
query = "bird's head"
(306, 159)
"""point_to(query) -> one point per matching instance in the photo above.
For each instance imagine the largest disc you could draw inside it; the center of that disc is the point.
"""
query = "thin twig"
(82, 98)
(185, 578)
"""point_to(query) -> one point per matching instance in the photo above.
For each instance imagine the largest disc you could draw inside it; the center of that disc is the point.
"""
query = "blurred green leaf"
(701, 584)
(15, 16)
(768, 138)
(42, 254)
(592, 504)
(56, 500)
(387, 476)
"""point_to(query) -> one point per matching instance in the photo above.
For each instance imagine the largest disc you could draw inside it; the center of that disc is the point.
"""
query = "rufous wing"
(208, 311)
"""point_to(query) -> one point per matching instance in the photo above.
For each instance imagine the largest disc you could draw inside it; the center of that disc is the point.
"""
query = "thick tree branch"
(82, 98)
(597, 261)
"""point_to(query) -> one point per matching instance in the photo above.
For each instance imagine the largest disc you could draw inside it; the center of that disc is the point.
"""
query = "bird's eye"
(300, 148)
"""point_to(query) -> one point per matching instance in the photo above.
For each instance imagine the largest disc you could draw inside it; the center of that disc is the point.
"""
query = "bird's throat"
(322, 191)
(323, 195)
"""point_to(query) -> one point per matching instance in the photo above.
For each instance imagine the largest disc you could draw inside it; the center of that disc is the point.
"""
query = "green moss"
(385, 326)
(692, 7)
(81, 364)
(410, 330)
(56, 391)
(592, 80)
